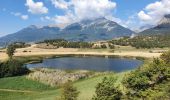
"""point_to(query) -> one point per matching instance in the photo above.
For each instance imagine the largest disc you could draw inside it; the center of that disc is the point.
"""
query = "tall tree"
(10, 51)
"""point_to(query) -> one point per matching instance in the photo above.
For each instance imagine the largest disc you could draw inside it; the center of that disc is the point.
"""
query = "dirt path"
(20, 91)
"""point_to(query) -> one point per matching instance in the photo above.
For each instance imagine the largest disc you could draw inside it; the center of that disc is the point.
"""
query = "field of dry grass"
(119, 51)
(56, 77)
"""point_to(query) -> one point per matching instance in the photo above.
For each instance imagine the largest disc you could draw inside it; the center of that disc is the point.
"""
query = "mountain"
(30, 34)
(85, 30)
(94, 30)
(163, 27)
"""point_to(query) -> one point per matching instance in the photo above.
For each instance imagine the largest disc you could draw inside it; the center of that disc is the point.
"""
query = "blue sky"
(17, 14)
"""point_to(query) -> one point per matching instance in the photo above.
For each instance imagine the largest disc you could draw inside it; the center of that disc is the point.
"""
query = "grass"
(92, 50)
(46, 95)
(30, 59)
(21, 83)
(87, 87)
(130, 48)
(44, 92)
(11, 95)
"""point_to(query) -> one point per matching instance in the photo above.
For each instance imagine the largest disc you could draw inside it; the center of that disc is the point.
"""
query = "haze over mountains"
(86, 30)
(162, 28)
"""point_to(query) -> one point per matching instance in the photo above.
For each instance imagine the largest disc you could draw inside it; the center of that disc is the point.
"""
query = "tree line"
(74, 44)
(67, 44)
(154, 41)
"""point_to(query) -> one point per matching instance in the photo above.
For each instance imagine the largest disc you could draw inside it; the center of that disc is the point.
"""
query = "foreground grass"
(44, 92)
(20, 88)
(87, 87)
(21, 83)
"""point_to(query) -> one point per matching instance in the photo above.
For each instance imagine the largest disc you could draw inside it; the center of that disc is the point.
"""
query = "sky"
(18, 14)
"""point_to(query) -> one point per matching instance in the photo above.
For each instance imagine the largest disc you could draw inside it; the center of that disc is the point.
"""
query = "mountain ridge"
(85, 30)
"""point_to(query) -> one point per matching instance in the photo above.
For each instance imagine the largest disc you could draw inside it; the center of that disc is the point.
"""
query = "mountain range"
(85, 30)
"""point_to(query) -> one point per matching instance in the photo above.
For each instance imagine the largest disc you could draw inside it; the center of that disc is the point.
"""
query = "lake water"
(89, 63)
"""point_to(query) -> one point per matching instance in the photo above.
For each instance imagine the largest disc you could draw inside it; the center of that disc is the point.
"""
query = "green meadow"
(21, 88)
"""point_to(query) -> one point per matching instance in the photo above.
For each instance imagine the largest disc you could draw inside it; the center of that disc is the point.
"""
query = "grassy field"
(21, 83)
(30, 90)
(87, 87)
(38, 53)
(20, 88)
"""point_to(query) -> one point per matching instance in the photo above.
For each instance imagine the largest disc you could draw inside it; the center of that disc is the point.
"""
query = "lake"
(88, 63)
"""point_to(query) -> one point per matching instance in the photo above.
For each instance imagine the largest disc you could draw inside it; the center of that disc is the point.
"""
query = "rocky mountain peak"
(165, 20)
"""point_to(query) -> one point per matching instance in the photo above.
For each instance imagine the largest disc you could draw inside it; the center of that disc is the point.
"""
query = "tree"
(12, 68)
(10, 51)
(103, 46)
(107, 91)
(147, 81)
(69, 92)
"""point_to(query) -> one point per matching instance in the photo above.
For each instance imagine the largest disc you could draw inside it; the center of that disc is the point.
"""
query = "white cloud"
(61, 4)
(18, 14)
(36, 7)
(24, 17)
(92, 8)
(153, 12)
(65, 19)
(45, 18)
(76, 10)
(143, 16)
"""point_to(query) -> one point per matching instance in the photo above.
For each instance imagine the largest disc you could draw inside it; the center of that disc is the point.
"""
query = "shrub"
(111, 46)
(12, 68)
(69, 92)
(107, 91)
(25, 51)
(166, 57)
(103, 46)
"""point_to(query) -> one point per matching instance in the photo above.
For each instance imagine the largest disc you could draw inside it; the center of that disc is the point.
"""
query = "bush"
(146, 82)
(12, 68)
(166, 57)
(107, 91)
(103, 46)
(69, 92)
(111, 46)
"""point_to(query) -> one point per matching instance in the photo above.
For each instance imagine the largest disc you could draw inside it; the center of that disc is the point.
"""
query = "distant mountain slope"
(92, 30)
(86, 30)
(163, 27)
(30, 34)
